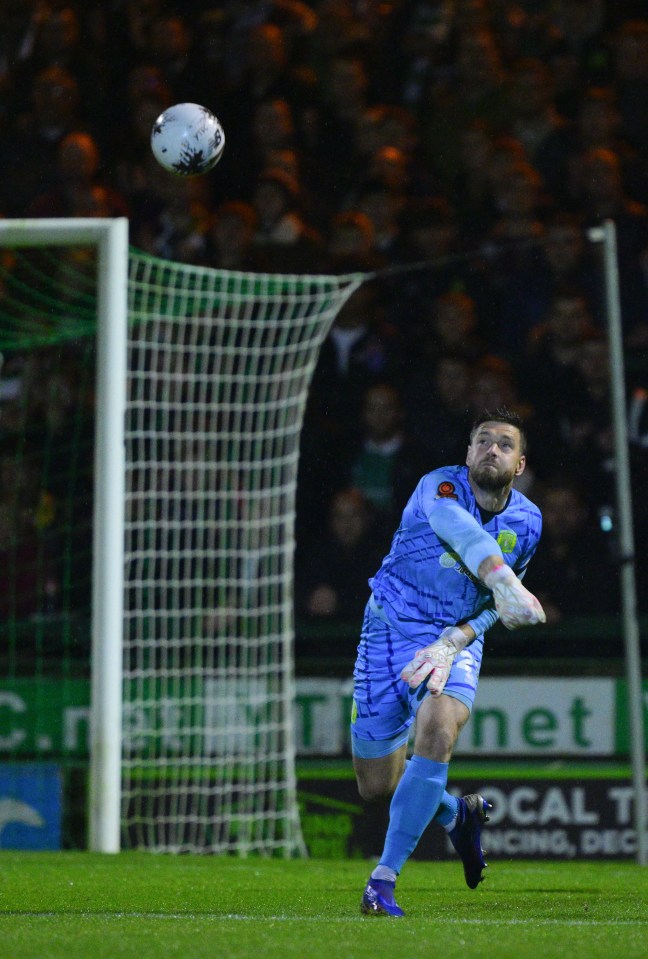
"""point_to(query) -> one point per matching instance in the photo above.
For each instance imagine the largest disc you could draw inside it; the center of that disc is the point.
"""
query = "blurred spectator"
(333, 569)
(452, 328)
(573, 572)
(536, 123)
(340, 31)
(425, 61)
(178, 228)
(31, 581)
(549, 367)
(429, 240)
(384, 461)
(471, 181)
(630, 75)
(344, 99)
(601, 195)
(589, 428)
(18, 20)
(230, 242)
(268, 74)
(360, 350)
(351, 236)
(130, 165)
(169, 48)
(62, 40)
(78, 189)
(436, 405)
(475, 89)
(274, 144)
(519, 205)
(286, 240)
(383, 205)
(28, 155)
(598, 124)
(380, 132)
(524, 282)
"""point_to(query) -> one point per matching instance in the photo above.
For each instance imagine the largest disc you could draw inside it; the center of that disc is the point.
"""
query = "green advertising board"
(48, 719)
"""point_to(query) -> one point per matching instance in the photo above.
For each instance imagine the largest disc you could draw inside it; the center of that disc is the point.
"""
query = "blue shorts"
(384, 707)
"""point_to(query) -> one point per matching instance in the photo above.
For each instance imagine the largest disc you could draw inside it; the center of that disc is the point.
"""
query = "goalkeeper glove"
(434, 662)
(515, 604)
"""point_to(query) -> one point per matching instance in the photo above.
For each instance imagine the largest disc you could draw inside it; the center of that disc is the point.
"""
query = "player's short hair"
(501, 415)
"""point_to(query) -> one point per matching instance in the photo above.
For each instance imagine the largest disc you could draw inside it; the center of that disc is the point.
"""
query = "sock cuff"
(424, 768)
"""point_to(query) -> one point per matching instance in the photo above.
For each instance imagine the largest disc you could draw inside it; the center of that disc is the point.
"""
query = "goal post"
(110, 238)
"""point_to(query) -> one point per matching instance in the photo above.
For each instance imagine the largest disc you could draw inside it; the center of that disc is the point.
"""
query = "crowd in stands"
(481, 137)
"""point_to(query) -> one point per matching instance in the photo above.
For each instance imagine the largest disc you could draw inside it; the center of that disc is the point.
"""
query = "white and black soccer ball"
(187, 139)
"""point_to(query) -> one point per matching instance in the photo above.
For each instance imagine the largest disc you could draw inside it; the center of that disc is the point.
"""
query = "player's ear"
(519, 469)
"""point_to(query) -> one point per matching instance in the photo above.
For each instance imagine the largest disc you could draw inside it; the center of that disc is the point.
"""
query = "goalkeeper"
(454, 568)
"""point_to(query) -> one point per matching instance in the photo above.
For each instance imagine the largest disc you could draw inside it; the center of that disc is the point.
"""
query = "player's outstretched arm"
(433, 663)
(514, 603)
(454, 525)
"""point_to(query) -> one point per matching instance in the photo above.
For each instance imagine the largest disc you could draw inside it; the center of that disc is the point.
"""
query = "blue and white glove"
(434, 662)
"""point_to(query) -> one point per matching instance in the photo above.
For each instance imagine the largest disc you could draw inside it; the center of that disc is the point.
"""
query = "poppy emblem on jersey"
(446, 490)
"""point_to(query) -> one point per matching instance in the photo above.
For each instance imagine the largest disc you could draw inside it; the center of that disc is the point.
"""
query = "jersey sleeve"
(486, 618)
(453, 524)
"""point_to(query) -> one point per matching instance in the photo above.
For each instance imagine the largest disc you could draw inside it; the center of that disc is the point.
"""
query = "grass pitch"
(144, 906)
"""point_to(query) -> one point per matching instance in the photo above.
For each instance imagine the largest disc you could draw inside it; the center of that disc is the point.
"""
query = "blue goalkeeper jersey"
(422, 585)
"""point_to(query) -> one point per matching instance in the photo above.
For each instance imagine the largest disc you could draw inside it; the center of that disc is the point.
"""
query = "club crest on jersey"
(506, 540)
(446, 490)
(451, 560)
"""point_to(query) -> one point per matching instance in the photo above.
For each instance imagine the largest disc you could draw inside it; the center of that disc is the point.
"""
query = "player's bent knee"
(439, 723)
(377, 778)
(375, 791)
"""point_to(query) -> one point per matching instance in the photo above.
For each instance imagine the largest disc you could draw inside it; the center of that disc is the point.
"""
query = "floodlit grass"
(141, 906)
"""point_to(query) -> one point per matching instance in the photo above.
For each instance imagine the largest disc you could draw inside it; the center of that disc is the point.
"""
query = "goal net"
(217, 373)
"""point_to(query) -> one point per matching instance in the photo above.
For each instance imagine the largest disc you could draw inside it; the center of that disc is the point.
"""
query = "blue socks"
(415, 802)
(446, 814)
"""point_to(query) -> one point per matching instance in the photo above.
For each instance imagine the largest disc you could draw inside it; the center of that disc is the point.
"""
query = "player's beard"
(491, 480)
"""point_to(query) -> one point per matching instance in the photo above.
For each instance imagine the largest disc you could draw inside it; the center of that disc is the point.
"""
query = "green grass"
(144, 906)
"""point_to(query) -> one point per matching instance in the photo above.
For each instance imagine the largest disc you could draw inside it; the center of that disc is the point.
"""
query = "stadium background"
(481, 137)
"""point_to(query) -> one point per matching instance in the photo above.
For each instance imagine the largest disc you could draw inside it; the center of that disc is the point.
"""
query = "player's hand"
(434, 662)
(515, 604)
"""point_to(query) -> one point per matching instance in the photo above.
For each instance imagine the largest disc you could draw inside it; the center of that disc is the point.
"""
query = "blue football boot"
(378, 899)
(466, 837)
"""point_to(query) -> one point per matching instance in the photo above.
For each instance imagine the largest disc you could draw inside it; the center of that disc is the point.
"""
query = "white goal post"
(110, 238)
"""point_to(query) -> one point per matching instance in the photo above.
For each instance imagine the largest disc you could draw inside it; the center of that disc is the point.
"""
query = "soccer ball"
(187, 139)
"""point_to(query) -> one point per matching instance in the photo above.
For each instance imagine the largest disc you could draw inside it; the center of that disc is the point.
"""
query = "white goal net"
(168, 553)
(219, 365)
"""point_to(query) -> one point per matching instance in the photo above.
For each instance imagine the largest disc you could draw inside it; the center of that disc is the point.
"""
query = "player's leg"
(463, 818)
(377, 778)
(422, 785)
(380, 723)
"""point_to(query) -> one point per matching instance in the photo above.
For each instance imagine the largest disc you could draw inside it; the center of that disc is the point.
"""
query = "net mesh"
(218, 376)
(218, 370)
